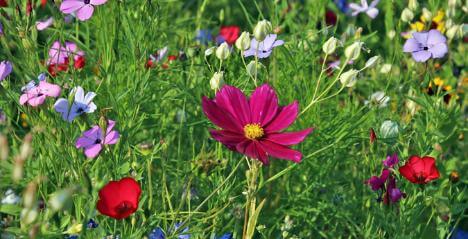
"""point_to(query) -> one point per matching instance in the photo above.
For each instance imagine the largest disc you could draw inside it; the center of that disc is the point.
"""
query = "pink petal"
(228, 138)
(285, 117)
(112, 137)
(69, 6)
(252, 149)
(280, 151)
(36, 101)
(288, 138)
(263, 105)
(41, 25)
(49, 89)
(97, 2)
(85, 12)
(233, 100)
(93, 151)
(23, 98)
(220, 117)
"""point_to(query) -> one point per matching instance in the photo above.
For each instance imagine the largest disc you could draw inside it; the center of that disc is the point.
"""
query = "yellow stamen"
(253, 131)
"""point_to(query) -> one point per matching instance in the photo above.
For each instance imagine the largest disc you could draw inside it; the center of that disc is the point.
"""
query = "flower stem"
(250, 205)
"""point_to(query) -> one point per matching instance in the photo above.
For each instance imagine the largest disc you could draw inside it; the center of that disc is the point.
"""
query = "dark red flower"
(28, 8)
(420, 170)
(55, 68)
(330, 18)
(372, 136)
(229, 33)
(3, 3)
(119, 199)
(149, 64)
(79, 62)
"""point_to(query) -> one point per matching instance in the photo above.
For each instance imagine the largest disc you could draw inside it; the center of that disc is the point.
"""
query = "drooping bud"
(353, 51)
(217, 80)
(372, 61)
(330, 46)
(252, 68)
(427, 15)
(386, 68)
(348, 78)
(262, 29)
(454, 31)
(223, 52)
(407, 15)
(209, 51)
(413, 5)
(60, 198)
(243, 42)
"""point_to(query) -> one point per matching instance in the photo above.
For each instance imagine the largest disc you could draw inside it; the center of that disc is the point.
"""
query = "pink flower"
(83, 8)
(253, 126)
(93, 140)
(378, 182)
(60, 56)
(42, 25)
(37, 94)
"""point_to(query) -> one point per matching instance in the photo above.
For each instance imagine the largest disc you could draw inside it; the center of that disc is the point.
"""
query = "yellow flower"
(437, 22)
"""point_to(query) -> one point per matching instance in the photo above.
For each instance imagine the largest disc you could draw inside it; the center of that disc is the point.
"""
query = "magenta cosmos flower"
(425, 45)
(93, 140)
(35, 95)
(83, 8)
(253, 126)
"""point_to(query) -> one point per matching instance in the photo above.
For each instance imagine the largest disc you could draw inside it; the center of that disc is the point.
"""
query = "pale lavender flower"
(264, 48)
(82, 104)
(5, 69)
(370, 10)
(42, 25)
(425, 45)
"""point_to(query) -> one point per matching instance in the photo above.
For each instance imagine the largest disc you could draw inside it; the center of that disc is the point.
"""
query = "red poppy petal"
(289, 138)
(407, 172)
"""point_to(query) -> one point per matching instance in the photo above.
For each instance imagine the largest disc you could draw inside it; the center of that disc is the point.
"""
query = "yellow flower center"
(253, 131)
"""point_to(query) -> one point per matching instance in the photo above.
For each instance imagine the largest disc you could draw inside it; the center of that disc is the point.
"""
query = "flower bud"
(426, 14)
(60, 198)
(209, 51)
(253, 68)
(407, 15)
(28, 215)
(386, 68)
(223, 52)
(262, 29)
(348, 78)
(74, 229)
(330, 46)
(29, 196)
(217, 80)
(413, 5)
(4, 151)
(453, 31)
(372, 61)
(389, 129)
(391, 34)
(243, 42)
(353, 51)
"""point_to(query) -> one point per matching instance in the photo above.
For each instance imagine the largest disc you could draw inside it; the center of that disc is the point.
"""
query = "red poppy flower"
(229, 33)
(3, 3)
(372, 136)
(43, 3)
(420, 170)
(119, 199)
(254, 126)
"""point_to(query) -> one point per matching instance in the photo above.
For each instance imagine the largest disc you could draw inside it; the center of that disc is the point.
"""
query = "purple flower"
(5, 69)
(158, 233)
(94, 139)
(391, 161)
(2, 117)
(226, 236)
(393, 193)
(370, 10)
(378, 182)
(82, 104)
(42, 25)
(264, 48)
(83, 8)
(425, 45)
(1, 29)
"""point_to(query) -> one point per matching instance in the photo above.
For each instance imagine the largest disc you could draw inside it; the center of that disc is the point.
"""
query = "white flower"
(370, 10)
(378, 99)
(407, 15)
(386, 68)
(82, 104)
(10, 197)
(353, 51)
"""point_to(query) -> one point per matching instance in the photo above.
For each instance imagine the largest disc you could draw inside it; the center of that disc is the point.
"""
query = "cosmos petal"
(233, 100)
(263, 105)
(288, 138)
(280, 151)
(285, 117)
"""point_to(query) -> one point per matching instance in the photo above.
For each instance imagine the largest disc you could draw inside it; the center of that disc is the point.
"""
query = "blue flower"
(91, 224)
(158, 233)
(226, 236)
(203, 36)
(342, 5)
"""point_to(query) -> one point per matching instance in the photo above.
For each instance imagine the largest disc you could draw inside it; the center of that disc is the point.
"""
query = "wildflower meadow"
(233, 119)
